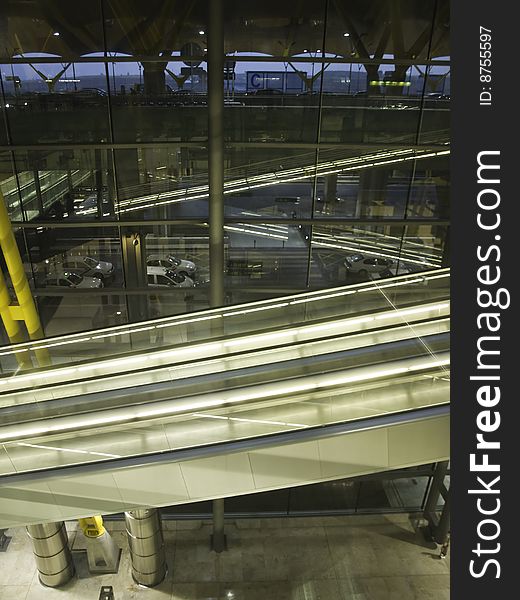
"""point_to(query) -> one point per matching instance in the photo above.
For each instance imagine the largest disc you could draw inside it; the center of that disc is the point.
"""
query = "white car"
(172, 263)
(162, 277)
(89, 267)
(365, 265)
(70, 279)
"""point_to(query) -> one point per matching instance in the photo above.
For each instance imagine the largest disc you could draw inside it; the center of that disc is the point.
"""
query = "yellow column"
(27, 307)
(12, 328)
(14, 333)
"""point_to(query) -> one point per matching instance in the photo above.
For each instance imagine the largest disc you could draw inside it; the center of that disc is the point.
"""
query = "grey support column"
(145, 539)
(216, 151)
(51, 551)
(218, 539)
(216, 194)
(154, 78)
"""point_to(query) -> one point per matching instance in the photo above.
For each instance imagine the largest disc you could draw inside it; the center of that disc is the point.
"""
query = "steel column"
(145, 540)
(52, 553)
(216, 150)
(218, 539)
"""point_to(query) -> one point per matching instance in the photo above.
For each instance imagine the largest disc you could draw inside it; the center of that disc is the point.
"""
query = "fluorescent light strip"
(371, 252)
(188, 321)
(398, 284)
(53, 426)
(68, 450)
(117, 363)
(251, 310)
(41, 375)
(260, 421)
(323, 297)
(217, 346)
(441, 276)
(172, 321)
(281, 176)
(259, 233)
(40, 346)
(412, 311)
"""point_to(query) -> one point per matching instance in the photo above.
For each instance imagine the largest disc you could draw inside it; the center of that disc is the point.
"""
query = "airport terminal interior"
(224, 299)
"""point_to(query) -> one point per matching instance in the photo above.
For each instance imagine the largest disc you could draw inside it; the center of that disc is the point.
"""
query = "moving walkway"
(228, 401)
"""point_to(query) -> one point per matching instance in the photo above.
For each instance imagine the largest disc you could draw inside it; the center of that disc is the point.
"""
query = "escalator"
(230, 401)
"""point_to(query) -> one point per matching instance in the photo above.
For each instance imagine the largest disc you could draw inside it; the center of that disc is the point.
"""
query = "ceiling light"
(346, 34)
(202, 32)
(56, 33)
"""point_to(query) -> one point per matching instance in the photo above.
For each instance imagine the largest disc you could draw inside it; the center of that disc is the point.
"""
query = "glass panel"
(66, 184)
(9, 186)
(58, 102)
(270, 182)
(436, 113)
(169, 110)
(53, 252)
(266, 255)
(280, 200)
(343, 254)
(273, 102)
(230, 420)
(429, 242)
(430, 190)
(3, 116)
(406, 493)
(371, 118)
(162, 183)
(401, 490)
(267, 315)
(64, 313)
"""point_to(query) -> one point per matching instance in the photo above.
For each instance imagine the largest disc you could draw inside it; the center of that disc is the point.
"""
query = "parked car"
(395, 269)
(365, 265)
(162, 277)
(172, 263)
(70, 279)
(90, 267)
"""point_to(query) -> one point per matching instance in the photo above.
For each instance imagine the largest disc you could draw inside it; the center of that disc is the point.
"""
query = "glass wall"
(336, 134)
(392, 492)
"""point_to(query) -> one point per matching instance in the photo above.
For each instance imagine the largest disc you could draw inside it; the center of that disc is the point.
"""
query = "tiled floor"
(329, 558)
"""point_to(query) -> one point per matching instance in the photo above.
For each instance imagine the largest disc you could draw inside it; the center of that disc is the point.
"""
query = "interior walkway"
(329, 558)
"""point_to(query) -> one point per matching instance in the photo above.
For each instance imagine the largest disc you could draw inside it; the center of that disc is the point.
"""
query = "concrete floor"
(309, 558)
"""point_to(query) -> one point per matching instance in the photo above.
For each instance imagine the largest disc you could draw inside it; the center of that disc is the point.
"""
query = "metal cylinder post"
(218, 539)
(51, 551)
(216, 151)
(146, 543)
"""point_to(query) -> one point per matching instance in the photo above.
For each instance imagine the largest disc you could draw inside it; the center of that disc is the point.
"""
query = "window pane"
(58, 102)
